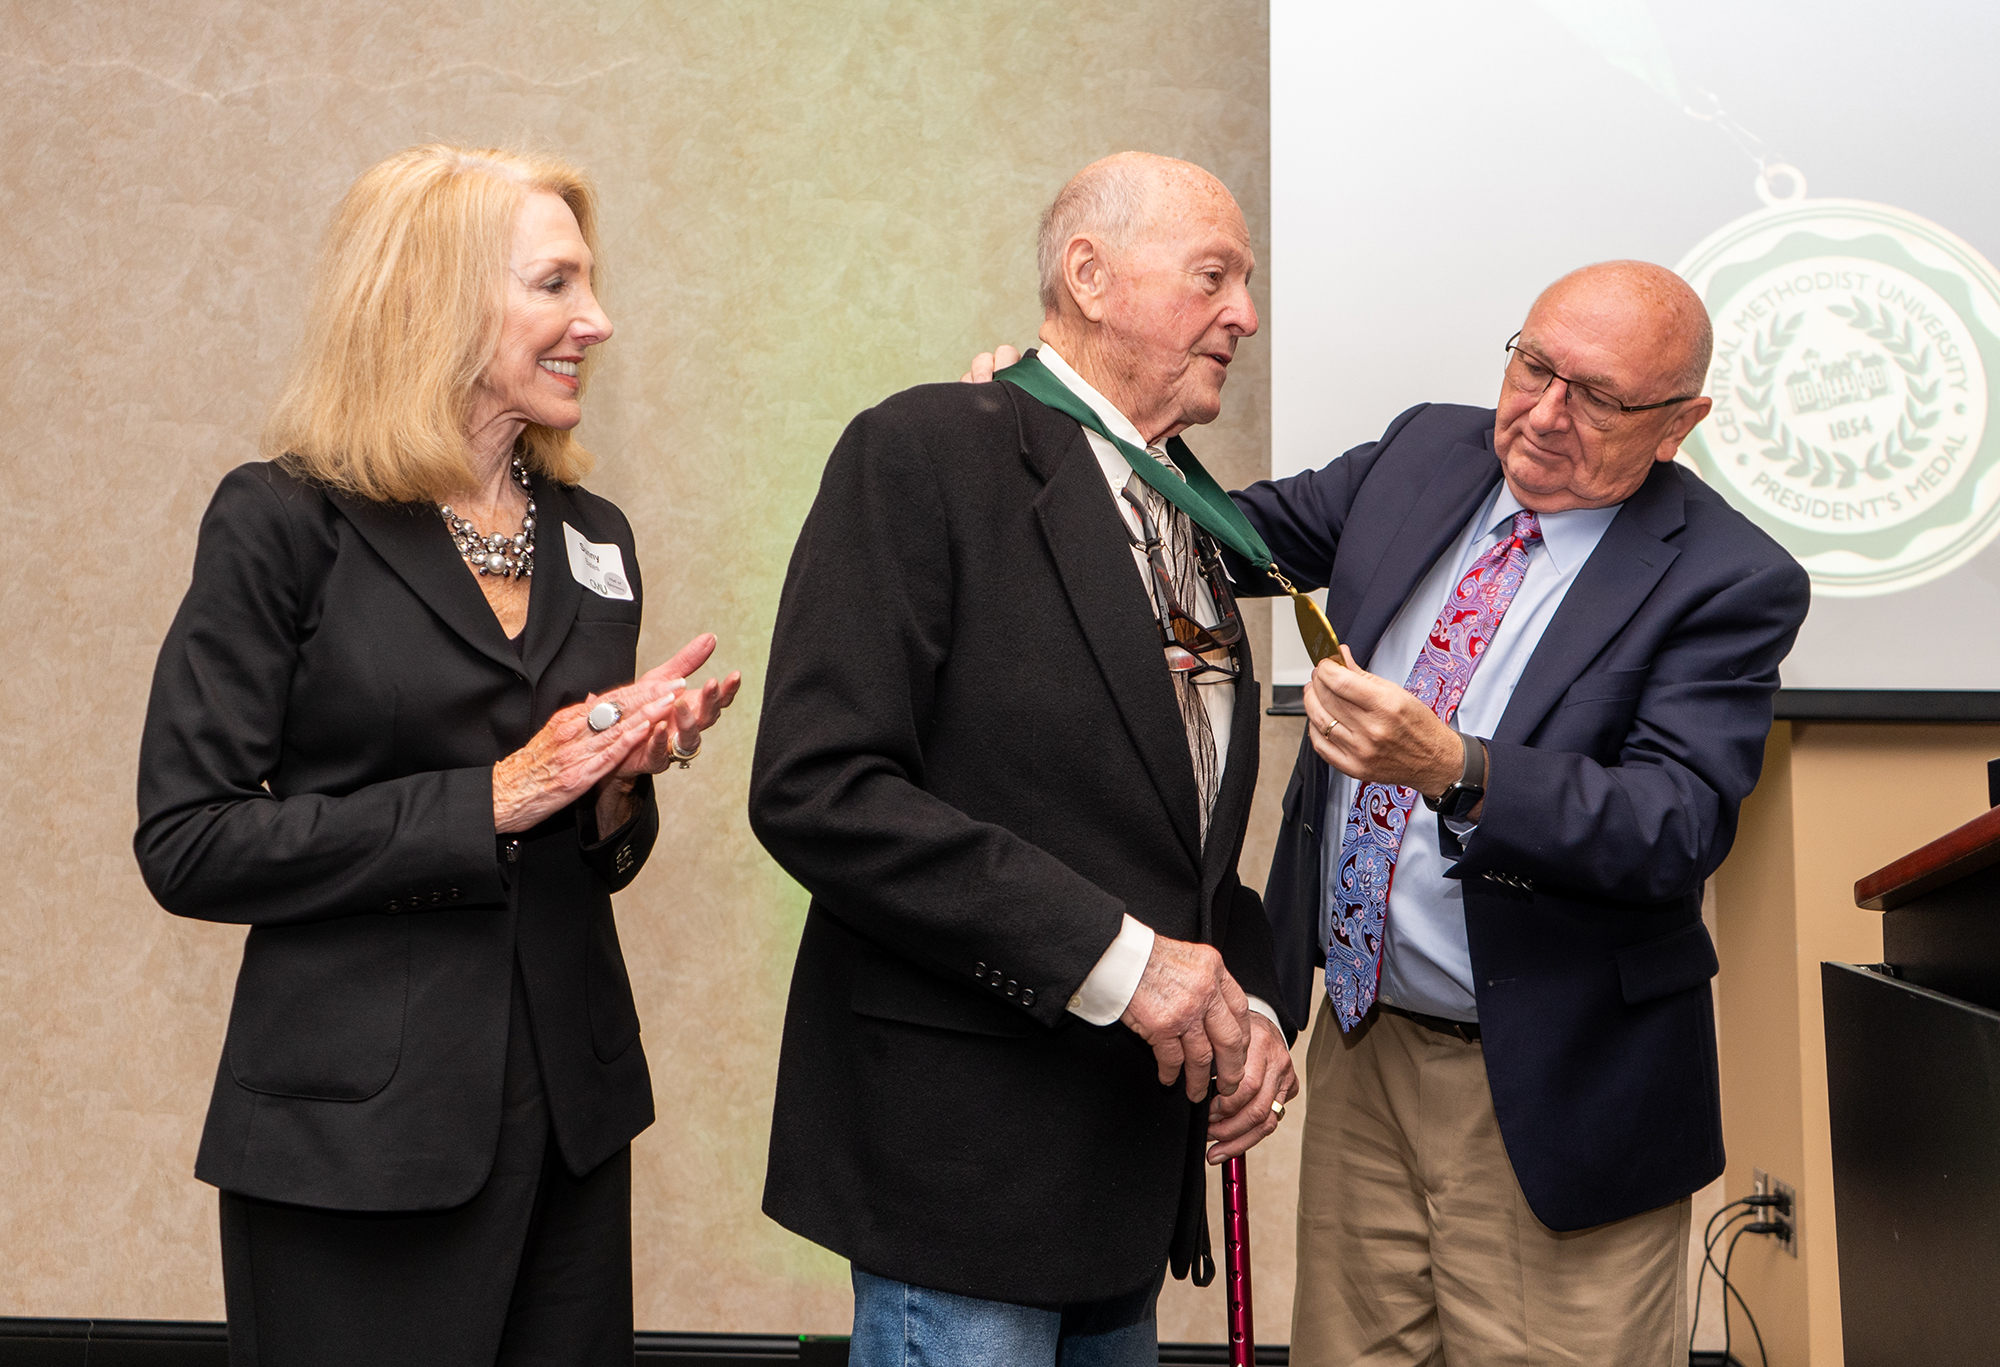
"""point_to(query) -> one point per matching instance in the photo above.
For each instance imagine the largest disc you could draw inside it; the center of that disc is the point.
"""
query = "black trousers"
(537, 1268)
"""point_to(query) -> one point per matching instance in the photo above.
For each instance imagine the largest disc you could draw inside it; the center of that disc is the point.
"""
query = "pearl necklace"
(510, 557)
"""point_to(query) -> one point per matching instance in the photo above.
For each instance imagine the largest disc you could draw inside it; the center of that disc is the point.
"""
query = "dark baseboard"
(193, 1343)
(112, 1343)
(187, 1343)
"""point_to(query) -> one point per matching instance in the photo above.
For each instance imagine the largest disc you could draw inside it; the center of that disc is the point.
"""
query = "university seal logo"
(1853, 343)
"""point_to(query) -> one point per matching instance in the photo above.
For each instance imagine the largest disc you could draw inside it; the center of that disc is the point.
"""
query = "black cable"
(1710, 1236)
(1729, 1289)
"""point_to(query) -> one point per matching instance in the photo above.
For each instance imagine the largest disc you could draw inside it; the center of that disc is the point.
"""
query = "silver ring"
(605, 715)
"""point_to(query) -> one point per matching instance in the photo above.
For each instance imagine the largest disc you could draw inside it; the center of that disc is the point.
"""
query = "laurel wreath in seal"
(1832, 467)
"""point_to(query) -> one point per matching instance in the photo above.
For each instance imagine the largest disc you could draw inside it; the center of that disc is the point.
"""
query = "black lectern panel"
(1913, 1079)
(1949, 938)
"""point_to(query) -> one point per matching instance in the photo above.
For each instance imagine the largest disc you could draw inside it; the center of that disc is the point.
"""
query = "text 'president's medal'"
(1853, 348)
(1194, 492)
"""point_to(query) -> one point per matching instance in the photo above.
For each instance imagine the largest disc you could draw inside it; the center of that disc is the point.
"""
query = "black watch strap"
(1458, 800)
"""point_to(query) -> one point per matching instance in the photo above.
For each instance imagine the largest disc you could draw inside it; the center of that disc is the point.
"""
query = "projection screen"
(1817, 171)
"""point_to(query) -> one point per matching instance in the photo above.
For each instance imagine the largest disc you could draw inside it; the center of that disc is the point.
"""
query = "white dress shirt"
(1108, 989)
(1426, 962)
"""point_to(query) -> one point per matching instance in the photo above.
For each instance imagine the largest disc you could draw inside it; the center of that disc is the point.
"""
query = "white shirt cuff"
(1263, 1008)
(1108, 990)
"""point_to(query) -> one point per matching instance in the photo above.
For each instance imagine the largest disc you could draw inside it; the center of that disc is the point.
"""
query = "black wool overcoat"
(972, 757)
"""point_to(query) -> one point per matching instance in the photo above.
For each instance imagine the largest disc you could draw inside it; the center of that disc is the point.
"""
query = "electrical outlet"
(1785, 1213)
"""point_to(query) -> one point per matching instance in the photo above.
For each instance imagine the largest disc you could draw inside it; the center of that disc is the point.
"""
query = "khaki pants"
(1416, 1245)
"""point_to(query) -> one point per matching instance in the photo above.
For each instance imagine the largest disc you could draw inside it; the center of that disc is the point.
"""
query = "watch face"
(1459, 799)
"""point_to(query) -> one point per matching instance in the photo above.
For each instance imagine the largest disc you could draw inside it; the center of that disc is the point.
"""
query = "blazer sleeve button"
(979, 972)
(453, 894)
(1013, 988)
(393, 906)
(1027, 996)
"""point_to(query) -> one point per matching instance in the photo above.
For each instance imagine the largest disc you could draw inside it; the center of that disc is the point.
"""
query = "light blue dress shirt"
(1426, 963)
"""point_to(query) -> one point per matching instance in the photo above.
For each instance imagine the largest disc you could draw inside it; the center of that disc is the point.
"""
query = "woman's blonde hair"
(405, 316)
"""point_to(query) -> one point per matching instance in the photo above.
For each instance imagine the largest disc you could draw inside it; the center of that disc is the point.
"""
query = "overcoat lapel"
(553, 594)
(1609, 589)
(1239, 785)
(1095, 564)
(413, 541)
(1435, 519)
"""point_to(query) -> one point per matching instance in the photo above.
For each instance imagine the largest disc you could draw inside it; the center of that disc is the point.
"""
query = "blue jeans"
(900, 1325)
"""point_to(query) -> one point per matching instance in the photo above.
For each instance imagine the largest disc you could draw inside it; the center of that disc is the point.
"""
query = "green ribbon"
(1194, 492)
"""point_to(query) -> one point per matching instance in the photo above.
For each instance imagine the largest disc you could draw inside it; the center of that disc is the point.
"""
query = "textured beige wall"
(1836, 802)
(807, 206)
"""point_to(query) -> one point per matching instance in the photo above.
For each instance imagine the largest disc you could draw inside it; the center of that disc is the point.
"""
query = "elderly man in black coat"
(1009, 744)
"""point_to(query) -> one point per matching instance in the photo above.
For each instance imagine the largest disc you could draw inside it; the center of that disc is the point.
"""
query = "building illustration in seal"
(1823, 384)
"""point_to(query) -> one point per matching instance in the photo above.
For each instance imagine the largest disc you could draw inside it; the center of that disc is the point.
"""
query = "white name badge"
(598, 567)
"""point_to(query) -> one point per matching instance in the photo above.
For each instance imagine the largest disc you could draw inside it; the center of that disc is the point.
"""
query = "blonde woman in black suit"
(394, 730)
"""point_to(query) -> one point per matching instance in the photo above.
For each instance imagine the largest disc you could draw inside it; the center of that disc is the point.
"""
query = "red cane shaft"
(1236, 1261)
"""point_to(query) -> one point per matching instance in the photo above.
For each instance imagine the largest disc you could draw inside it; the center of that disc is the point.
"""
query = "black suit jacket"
(972, 757)
(1633, 735)
(317, 764)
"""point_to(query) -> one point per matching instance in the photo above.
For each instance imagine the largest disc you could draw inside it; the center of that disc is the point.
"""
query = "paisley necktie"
(1373, 833)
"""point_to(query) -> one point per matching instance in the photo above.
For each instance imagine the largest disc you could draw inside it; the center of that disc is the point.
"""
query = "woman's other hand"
(692, 713)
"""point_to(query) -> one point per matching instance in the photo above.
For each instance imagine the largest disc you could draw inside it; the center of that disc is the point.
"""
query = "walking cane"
(1236, 1261)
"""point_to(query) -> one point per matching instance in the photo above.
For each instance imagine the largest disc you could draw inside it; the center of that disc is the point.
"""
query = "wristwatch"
(1456, 802)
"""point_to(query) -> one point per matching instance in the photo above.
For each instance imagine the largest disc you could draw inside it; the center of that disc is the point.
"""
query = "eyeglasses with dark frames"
(1186, 641)
(1528, 373)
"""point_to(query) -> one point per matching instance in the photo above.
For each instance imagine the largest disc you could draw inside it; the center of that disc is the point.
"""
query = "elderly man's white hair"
(1109, 200)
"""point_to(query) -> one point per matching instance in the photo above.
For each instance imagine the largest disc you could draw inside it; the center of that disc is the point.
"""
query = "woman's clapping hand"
(566, 759)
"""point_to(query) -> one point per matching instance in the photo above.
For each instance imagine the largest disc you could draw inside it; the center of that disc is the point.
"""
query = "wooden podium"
(1913, 1081)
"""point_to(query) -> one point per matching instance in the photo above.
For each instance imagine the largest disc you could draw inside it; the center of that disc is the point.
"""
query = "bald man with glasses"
(1561, 654)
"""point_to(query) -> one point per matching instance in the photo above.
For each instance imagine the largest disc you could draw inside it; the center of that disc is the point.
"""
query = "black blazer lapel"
(1610, 588)
(1094, 561)
(553, 594)
(1239, 786)
(412, 540)
(1435, 518)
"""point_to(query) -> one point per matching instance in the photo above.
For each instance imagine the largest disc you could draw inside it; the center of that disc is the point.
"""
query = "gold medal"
(1317, 633)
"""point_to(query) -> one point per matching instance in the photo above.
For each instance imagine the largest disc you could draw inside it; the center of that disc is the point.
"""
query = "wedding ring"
(1278, 1110)
(1327, 730)
(605, 715)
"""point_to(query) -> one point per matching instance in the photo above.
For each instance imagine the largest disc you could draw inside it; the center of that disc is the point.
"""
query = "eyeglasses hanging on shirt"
(1187, 643)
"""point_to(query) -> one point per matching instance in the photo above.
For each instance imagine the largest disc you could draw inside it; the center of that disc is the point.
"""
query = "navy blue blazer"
(1617, 769)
